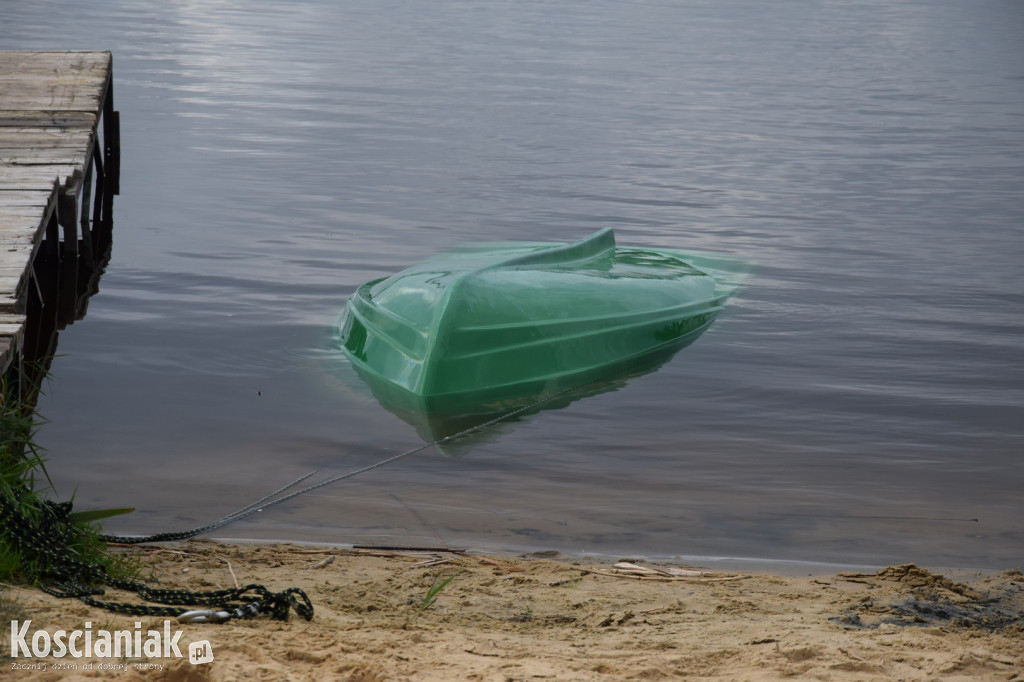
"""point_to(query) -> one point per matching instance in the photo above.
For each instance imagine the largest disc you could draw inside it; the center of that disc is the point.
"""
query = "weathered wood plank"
(32, 138)
(45, 62)
(11, 230)
(9, 283)
(24, 208)
(11, 246)
(53, 118)
(34, 178)
(16, 198)
(58, 77)
(42, 157)
(13, 224)
(22, 248)
(19, 215)
(53, 170)
(36, 182)
(14, 234)
(58, 98)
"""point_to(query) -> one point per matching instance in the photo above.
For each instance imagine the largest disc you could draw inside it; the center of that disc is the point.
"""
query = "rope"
(272, 499)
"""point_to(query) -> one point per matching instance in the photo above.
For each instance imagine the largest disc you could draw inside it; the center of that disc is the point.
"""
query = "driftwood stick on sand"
(665, 578)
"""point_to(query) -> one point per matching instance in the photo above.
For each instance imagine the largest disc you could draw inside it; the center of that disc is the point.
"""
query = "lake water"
(861, 400)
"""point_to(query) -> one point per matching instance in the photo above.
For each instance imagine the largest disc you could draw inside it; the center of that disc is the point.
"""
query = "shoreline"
(781, 567)
(506, 616)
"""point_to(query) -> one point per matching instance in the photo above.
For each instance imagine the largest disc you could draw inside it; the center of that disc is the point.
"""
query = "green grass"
(431, 596)
(24, 481)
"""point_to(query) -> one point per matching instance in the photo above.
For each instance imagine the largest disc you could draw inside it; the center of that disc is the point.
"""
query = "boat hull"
(492, 327)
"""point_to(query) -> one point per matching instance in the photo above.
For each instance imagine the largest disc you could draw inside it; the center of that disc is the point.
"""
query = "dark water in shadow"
(860, 400)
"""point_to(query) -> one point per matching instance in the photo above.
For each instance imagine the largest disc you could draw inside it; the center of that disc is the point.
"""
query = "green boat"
(490, 327)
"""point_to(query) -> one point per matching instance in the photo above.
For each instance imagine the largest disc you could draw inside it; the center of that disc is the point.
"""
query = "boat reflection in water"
(475, 333)
(439, 417)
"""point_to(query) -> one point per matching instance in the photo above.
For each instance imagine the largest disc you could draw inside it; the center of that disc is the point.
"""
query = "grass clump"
(431, 597)
(24, 484)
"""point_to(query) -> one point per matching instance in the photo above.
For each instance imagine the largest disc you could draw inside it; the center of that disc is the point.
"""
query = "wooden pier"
(59, 168)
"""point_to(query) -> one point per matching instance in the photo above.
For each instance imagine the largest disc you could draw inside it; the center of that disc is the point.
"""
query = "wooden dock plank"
(21, 137)
(43, 157)
(13, 177)
(47, 63)
(52, 118)
(53, 95)
(16, 198)
(50, 105)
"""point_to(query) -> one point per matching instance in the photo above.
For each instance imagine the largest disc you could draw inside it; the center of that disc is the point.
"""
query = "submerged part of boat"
(491, 327)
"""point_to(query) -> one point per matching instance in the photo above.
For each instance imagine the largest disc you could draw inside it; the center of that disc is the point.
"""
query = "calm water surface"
(859, 402)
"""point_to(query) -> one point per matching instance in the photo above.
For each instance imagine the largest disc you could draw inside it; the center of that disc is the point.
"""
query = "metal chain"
(64, 575)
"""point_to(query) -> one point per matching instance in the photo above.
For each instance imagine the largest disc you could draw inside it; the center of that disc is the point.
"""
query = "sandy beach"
(551, 617)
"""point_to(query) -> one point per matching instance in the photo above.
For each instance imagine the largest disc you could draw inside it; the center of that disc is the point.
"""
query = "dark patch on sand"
(925, 599)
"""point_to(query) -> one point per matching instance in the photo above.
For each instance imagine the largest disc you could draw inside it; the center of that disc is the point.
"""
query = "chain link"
(66, 576)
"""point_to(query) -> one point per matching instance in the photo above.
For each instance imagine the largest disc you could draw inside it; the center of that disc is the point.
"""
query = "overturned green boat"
(487, 327)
